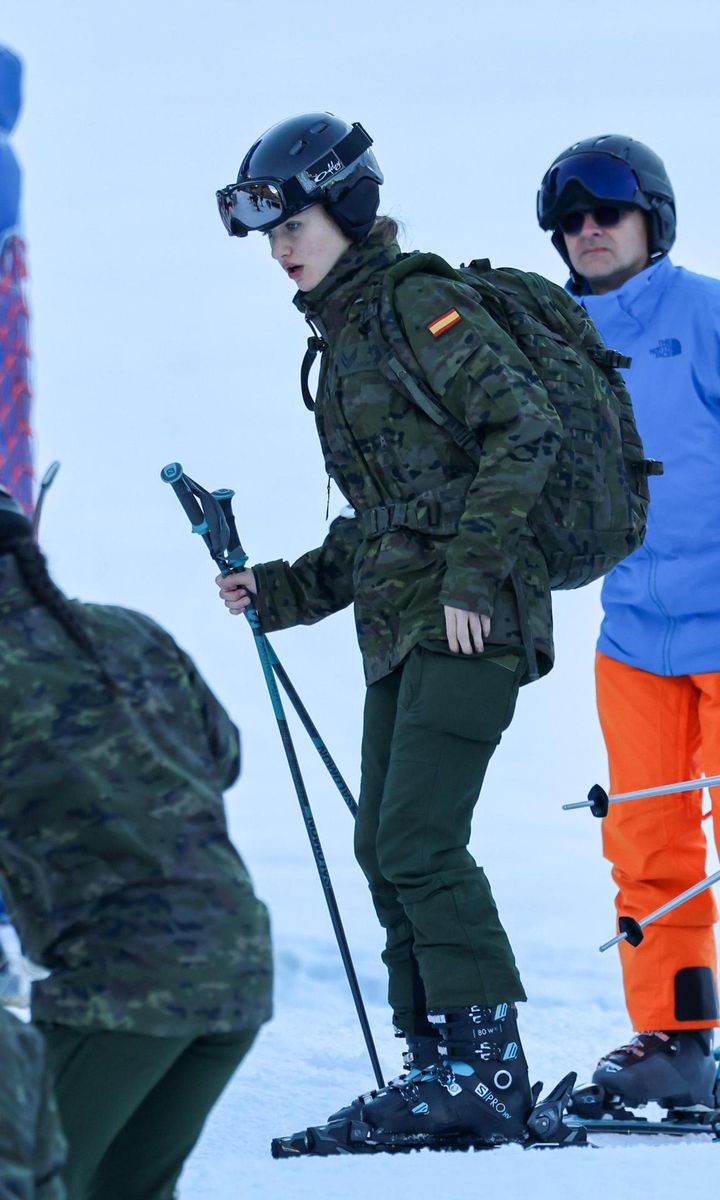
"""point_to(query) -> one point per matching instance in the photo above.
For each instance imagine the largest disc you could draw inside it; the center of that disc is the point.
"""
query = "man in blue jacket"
(611, 207)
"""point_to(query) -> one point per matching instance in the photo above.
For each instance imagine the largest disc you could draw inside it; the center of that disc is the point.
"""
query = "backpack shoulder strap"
(393, 355)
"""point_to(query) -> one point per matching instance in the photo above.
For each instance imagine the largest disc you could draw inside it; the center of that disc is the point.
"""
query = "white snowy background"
(158, 338)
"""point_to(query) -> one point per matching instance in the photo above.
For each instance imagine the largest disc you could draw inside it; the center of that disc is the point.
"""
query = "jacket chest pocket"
(352, 359)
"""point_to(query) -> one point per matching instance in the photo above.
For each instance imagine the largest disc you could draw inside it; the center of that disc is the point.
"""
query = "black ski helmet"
(642, 182)
(314, 158)
(13, 522)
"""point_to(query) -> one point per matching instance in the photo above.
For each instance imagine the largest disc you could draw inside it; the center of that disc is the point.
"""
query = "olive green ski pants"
(133, 1106)
(429, 733)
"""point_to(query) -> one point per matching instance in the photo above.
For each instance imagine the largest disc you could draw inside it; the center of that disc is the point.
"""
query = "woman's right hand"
(237, 590)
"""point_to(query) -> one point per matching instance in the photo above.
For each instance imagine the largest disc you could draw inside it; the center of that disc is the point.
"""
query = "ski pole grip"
(173, 474)
(50, 474)
(236, 556)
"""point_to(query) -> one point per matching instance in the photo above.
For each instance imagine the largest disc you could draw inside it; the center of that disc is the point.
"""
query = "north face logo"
(667, 348)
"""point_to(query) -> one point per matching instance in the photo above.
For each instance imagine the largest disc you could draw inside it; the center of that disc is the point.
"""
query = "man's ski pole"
(45, 485)
(598, 799)
(632, 930)
(210, 515)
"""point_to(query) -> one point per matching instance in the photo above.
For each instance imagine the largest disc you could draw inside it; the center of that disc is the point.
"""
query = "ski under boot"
(422, 1052)
(476, 1095)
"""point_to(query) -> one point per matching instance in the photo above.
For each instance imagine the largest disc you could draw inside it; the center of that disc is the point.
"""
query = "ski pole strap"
(236, 556)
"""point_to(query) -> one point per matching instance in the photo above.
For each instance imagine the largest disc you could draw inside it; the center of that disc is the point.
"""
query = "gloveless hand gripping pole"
(210, 514)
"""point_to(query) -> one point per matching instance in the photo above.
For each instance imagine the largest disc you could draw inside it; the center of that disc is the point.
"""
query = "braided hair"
(35, 575)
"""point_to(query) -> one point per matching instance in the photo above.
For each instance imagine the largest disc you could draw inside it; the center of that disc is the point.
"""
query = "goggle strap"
(355, 143)
(346, 151)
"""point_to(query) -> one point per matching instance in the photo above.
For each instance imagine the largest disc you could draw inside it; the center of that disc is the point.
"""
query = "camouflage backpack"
(592, 511)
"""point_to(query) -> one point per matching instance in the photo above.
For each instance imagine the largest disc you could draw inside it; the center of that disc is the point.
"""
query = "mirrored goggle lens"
(249, 206)
(605, 216)
(600, 174)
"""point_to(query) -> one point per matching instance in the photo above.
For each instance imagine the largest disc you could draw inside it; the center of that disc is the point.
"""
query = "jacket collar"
(636, 298)
(327, 304)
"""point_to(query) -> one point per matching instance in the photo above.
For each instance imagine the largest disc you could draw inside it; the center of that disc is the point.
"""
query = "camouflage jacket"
(382, 451)
(115, 859)
(32, 1146)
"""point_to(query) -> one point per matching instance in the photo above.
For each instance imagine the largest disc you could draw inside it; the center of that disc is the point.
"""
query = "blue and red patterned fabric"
(15, 434)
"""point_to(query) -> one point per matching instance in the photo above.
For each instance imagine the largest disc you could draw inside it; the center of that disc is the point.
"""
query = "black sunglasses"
(606, 216)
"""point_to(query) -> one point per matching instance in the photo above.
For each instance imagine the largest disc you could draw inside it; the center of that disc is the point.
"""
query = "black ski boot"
(676, 1070)
(422, 1052)
(478, 1089)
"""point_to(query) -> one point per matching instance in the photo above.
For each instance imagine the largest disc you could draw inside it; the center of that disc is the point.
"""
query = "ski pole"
(598, 799)
(45, 484)
(312, 732)
(223, 529)
(632, 930)
(211, 516)
(224, 498)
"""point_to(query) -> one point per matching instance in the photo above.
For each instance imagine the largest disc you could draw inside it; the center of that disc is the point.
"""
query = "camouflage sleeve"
(223, 738)
(485, 380)
(222, 734)
(315, 586)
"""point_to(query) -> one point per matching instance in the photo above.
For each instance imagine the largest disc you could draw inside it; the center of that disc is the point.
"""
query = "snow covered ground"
(157, 338)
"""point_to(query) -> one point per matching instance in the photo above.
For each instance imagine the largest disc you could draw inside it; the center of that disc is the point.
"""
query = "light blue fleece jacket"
(662, 604)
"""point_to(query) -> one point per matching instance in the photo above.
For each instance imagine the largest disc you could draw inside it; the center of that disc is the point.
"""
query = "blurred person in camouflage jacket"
(425, 557)
(120, 875)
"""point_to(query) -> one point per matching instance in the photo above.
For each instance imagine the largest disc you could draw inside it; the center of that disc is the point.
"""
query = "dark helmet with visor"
(314, 158)
(612, 169)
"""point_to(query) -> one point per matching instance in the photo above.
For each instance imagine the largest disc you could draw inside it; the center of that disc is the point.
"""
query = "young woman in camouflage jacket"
(426, 560)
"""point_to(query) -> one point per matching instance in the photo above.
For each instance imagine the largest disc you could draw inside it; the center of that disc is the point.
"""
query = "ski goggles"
(260, 204)
(600, 175)
(606, 216)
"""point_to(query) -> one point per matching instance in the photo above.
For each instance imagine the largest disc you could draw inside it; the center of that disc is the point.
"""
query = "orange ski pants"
(662, 729)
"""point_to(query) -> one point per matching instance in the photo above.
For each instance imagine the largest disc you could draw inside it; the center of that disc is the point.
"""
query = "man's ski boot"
(675, 1069)
(476, 1095)
(422, 1052)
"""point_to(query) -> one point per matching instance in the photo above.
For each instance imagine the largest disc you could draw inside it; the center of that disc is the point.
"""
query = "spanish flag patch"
(440, 324)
